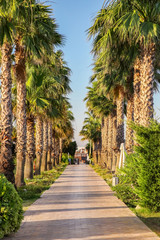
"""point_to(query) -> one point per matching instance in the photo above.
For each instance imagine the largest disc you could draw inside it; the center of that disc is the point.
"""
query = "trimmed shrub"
(126, 193)
(64, 158)
(140, 177)
(11, 213)
(125, 190)
(148, 161)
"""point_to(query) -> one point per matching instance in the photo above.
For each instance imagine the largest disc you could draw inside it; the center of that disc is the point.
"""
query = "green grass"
(104, 173)
(151, 219)
(36, 186)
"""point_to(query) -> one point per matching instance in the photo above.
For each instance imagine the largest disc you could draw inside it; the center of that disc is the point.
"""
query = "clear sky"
(74, 17)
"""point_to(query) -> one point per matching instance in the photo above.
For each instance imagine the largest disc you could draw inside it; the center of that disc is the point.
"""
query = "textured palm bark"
(99, 150)
(97, 147)
(106, 147)
(60, 149)
(136, 85)
(20, 74)
(104, 138)
(114, 144)
(39, 144)
(53, 155)
(57, 150)
(30, 154)
(94, 152)
(120, 122)
(103, 141)
(49, 162)
(45, 146)
(6, 159)
(147, 79)
(110, 142)
(130, 118)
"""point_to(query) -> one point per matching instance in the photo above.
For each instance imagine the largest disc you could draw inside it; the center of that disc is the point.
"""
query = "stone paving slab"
(81, 206)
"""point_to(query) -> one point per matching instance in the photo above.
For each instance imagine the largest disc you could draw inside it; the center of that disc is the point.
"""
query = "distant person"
(69, 160)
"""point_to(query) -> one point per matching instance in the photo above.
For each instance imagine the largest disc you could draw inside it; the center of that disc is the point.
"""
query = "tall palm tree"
(32, 18)
(7, 14)
(143, 28)
(112, 66)
(91, 129)
(35, 102)
(102, 107)
(63, 126)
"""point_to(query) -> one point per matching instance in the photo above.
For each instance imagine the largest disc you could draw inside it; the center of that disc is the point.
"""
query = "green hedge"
(140, 177)
(11, 213)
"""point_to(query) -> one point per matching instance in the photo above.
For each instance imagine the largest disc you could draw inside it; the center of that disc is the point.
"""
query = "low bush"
(64, 157)
(140, 177)
(11, 213)
(148, 165)
(127, 194)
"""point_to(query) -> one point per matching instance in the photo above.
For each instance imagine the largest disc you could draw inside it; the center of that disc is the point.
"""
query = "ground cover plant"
(11, 213)
(36, 186)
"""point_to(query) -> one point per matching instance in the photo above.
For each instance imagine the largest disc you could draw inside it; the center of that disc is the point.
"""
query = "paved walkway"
(81, 206)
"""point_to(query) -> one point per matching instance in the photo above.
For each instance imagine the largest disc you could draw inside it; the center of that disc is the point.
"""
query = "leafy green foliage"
(64, 158)
(71, 148)
(11, 213)
(91, 129)
(125, 190)
(148, 165)
(141, 174)
(126, 193)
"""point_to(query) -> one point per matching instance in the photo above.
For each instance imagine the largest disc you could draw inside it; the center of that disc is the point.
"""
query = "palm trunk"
(129, 131)
(21, 112)
(100, 149)
(6, 159)
(57, 150)
(54, 149)
(45, 146)
(93, 152)
(39, 144)
(104, 137)
(28, 170)
(60, 149)
(106, 147)
(147, 79)
(114, 145)
(49, 162)
(120, 122)
(137, 84)
(110, 142)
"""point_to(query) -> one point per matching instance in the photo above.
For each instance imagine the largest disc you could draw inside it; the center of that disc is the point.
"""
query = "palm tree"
(31, 19)
(111, 67)
(35, 104)
(102, 107)
(143, 28)
(7, 13)
(63, 126)
(91, 129)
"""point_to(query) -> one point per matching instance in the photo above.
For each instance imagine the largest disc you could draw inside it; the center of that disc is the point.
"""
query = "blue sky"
(74, 17)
